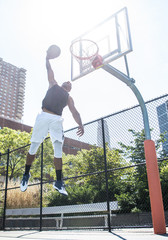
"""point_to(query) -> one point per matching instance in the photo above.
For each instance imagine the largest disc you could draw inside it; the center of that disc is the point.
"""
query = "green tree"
(93, 161)
(12, 139)
(86, 177)
(135, 154)
(164, 183)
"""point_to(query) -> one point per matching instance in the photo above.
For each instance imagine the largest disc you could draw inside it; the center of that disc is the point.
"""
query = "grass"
(28, 199)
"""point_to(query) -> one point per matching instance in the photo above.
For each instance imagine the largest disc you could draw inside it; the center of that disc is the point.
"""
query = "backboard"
(113, 39)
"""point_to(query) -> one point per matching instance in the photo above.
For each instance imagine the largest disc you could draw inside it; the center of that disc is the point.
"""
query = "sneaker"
(24, 182)
(59, 186)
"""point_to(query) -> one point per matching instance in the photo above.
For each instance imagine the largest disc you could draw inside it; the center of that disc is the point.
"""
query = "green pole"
(130, 83)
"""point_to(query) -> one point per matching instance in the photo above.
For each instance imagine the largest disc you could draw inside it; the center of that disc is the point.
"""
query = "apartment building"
(12, 91)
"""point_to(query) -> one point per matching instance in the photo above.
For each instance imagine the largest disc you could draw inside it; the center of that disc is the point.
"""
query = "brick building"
(13, 124)
(71, 146)
(12, 90)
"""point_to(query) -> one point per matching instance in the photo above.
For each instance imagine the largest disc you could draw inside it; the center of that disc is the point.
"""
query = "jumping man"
(50, 120)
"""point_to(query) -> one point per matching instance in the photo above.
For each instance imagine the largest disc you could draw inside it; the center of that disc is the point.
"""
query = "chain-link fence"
(104, 172)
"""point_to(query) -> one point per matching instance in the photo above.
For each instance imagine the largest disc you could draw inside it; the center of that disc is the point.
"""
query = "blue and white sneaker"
(24, 182)
(60, 187)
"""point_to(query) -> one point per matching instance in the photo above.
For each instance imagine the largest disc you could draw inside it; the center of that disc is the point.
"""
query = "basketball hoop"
(85, 51)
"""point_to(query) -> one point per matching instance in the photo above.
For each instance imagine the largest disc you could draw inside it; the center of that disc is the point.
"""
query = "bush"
(77, 194)
(1, 212)
(126, 202)
(135, 210)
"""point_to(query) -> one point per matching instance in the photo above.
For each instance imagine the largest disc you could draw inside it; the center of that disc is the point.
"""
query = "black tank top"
(55, 100)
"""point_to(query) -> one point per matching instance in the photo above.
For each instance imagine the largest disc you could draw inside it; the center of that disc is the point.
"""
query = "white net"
(84, 50)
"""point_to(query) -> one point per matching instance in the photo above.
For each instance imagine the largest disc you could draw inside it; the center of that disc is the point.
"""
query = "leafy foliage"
(12, 139)
(135, 154)
(84, 173)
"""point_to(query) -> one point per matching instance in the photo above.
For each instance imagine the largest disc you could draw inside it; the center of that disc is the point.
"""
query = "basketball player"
(50, 120)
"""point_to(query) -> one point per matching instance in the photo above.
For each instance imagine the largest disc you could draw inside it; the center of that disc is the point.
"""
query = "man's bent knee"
(57, 149)
(33, 148)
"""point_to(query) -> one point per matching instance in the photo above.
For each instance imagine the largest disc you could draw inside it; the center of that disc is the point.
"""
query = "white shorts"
(48, 123)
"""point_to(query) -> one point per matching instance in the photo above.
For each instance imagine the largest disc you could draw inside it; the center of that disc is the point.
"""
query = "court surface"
(123, 234)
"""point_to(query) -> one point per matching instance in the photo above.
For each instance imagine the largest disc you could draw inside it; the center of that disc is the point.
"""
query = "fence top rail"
(81, 208)
(118, 112)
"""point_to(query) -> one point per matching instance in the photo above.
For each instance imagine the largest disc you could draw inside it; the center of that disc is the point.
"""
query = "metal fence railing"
(104, 172)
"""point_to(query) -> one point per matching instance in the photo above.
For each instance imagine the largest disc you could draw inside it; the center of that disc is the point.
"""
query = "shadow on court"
(26, 234)
(122, 234)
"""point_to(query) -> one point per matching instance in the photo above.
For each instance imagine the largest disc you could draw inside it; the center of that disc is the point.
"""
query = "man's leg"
(59, 185)
(58, 168)
(30, 158)
(29, 161)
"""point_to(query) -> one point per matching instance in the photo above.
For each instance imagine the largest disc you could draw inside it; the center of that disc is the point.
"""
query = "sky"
(29, 27)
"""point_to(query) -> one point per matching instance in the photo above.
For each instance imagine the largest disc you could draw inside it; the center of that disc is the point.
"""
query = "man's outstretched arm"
(50, 73)
(76, 116)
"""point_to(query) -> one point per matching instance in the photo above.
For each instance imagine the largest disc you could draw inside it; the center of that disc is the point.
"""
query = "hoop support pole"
(154, 185)
(130, 83)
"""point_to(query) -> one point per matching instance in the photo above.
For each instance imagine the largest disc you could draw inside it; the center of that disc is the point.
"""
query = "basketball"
(53, 51)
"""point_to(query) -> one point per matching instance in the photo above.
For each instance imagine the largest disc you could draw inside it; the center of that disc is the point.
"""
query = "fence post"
(41, 190)
(106, 176)
(6, 188)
